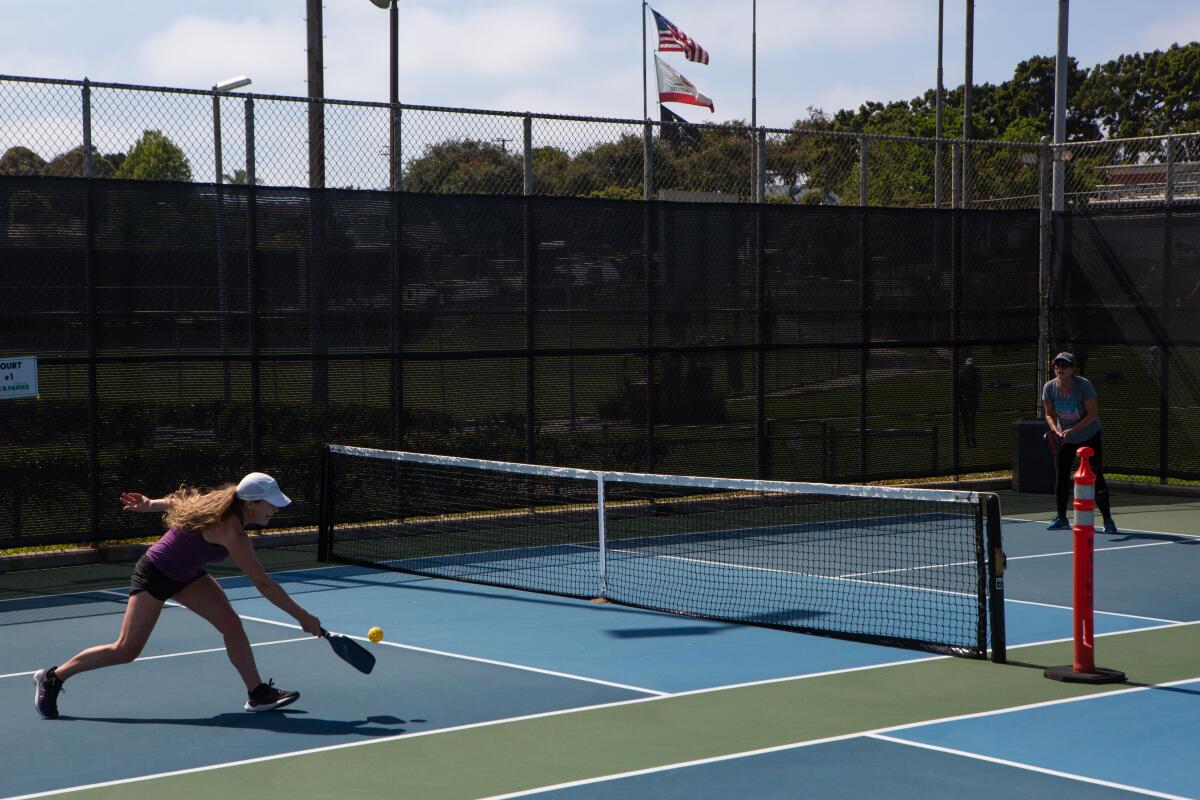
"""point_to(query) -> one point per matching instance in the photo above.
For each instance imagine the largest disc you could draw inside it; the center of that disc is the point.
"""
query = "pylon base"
(1067, 674)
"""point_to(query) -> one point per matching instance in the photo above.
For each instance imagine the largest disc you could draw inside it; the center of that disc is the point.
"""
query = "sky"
(574, 56)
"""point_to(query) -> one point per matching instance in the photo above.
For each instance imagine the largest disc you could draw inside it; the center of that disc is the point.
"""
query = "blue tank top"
(182, 553)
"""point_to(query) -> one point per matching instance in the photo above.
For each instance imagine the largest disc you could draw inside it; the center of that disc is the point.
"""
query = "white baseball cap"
(261, 486)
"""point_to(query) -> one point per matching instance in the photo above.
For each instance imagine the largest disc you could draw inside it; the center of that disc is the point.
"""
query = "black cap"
(1066, 358)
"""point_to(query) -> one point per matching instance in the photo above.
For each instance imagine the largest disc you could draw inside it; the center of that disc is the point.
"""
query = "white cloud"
(197, 52)
(787, 25)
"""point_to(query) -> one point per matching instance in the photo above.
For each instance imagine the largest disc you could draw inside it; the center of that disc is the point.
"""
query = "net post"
(324, 526)
(1084, 669)
(602, 535)
(996, 564)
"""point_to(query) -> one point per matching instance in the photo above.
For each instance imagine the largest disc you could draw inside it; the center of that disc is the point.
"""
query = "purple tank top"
(181, 554)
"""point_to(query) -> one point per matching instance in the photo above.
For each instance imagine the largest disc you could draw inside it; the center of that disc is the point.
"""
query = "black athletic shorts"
(147, 578)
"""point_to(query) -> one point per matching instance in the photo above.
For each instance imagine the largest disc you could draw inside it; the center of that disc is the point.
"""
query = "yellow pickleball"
(375, 634)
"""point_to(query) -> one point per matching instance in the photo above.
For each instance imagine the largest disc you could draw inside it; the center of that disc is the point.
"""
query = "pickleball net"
(919, 568)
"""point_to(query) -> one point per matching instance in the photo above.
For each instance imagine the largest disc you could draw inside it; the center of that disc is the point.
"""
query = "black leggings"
(1063, 484)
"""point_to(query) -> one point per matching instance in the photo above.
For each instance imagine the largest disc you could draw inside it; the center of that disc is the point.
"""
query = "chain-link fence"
(1123, 173)
(192, 332)
(81, 128)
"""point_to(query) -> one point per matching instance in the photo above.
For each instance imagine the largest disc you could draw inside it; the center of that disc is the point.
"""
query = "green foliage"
(21, 161)
(614, 192)
(154, 157)
(465, 167)
(73, 164)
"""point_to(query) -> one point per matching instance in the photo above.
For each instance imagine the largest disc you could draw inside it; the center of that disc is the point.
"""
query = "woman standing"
(1074, 417)
(203, 527)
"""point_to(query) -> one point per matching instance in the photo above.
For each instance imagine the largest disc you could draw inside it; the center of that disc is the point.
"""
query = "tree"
(238, 178)
(73, 164)
(19, 160)
(1144, 94)
(154, 157)
(465, 166)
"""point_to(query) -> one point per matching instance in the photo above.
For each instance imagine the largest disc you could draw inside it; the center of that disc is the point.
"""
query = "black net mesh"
(191, 333)
(873, 565)
(1126, 302)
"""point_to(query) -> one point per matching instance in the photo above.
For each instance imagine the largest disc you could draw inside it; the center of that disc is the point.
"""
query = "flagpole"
(644, 113)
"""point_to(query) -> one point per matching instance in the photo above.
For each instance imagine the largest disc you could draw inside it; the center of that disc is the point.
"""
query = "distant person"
(203, 527)
(1074, 417)
(969, 389)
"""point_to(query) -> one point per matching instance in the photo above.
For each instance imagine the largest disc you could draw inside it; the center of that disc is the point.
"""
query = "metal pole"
(956, 175)
(528, 153)
(88, 166)
(862, 171)
(644, 111)
(252, 288)
(217, 134)
(968, 80)
(760, 187)
(1169, 190)
(758, 155)
(394, 99)
(647, 160)
(1060, 106)
(316, 91)
(1044, 159)
(937, 148)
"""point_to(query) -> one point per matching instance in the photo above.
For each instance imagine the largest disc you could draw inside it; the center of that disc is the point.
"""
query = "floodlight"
(382, 3)
(229, 84)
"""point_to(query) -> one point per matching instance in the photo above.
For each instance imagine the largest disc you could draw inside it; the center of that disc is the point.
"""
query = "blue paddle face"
(350, 651)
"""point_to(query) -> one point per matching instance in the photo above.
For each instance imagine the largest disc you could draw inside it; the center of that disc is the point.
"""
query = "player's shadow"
(285, 721)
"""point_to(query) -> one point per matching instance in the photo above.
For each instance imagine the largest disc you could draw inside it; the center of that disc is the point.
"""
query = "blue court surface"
(488, 692)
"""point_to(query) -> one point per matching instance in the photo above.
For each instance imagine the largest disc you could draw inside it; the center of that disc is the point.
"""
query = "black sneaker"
(45, 696)
(266, 697)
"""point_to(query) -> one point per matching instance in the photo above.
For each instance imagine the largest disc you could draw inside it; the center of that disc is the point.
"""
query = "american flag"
(673, 40)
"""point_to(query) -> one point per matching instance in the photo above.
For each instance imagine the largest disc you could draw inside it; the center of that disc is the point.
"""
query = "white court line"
(176, 655)
(563, 712)
(444, 653)
(1106, 635)
(1101, 532)
(1029, 767)
(477, 659)
(469, 726)
(877, 733)
(1097, 611)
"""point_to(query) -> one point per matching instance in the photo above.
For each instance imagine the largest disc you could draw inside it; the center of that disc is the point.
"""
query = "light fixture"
(229, 84)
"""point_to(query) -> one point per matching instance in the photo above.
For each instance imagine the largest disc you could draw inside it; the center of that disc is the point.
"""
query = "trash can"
(1033, 466)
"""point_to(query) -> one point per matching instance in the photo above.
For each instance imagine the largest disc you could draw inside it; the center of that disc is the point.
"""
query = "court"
(489, 692)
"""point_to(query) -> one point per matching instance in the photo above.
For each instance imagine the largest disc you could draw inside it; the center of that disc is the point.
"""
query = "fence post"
(1044, 256)
(88, 165)
(760, 187)
(252, 286)
(396, 167)
(531, 278)
(762, 337)
(1169, 194)
(1164, 350)
(955, 175)
(647, 160)
(649, 210)
(93, 322)
(937, 163)
(528, 153)
(862, 170)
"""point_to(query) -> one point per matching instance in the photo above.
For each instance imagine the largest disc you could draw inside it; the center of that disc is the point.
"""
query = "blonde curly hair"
(188, 507)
